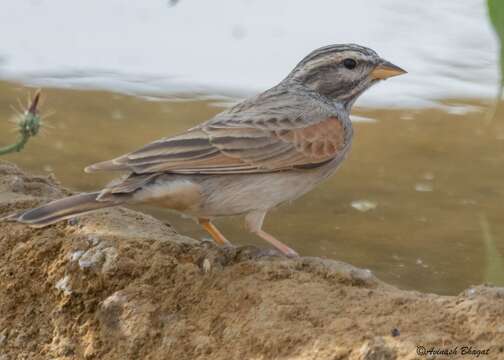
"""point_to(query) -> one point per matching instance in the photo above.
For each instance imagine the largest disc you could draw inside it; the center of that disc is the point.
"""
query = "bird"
(262, 152)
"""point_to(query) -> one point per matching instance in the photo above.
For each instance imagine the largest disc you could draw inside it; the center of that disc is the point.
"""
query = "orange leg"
(254, 221)
(214, 232)
(287, 251)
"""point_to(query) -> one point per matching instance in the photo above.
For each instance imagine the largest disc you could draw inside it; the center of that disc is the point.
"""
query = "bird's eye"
(349, 64)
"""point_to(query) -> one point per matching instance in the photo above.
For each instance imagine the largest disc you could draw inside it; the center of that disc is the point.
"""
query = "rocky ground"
(119, 284)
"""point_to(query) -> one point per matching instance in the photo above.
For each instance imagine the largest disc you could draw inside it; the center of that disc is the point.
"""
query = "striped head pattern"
(342, 72)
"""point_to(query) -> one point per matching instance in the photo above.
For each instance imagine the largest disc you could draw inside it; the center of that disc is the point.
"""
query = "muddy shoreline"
(120, 284)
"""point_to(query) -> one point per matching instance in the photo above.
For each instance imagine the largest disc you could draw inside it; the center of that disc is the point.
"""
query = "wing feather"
(233, 143)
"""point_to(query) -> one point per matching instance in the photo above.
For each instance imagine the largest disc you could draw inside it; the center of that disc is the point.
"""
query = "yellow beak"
(385, 70)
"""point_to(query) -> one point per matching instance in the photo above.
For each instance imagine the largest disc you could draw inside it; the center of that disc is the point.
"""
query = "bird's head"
(342, 72)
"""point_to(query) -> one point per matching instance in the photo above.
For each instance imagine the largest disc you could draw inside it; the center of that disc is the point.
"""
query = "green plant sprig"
(496, 15)
(28, 126)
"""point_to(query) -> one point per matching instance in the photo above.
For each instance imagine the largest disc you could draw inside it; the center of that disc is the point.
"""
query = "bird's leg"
(213, 231)
(254, 222)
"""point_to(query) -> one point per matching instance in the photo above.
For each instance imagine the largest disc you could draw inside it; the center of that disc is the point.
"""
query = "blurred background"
(419, 200)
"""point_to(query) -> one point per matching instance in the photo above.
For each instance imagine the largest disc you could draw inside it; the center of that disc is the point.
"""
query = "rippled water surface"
(419, 200)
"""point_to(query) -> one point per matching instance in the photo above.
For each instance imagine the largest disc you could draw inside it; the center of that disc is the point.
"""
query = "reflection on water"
(408, 203)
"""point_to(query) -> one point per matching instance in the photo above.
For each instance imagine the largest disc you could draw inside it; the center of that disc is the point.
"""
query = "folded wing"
(242, 142)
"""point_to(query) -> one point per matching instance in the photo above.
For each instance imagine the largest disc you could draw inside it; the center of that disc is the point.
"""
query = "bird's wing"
(250, 140)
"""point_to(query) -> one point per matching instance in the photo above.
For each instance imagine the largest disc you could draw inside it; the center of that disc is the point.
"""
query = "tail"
(61, 209)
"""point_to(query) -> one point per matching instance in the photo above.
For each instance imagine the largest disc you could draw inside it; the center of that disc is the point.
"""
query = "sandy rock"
(119, 284)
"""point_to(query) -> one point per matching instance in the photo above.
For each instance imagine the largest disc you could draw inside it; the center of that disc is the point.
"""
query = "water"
(239, 47)
(418, 201)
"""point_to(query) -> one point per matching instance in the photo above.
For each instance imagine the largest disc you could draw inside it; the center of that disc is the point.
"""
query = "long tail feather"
(62, 209)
